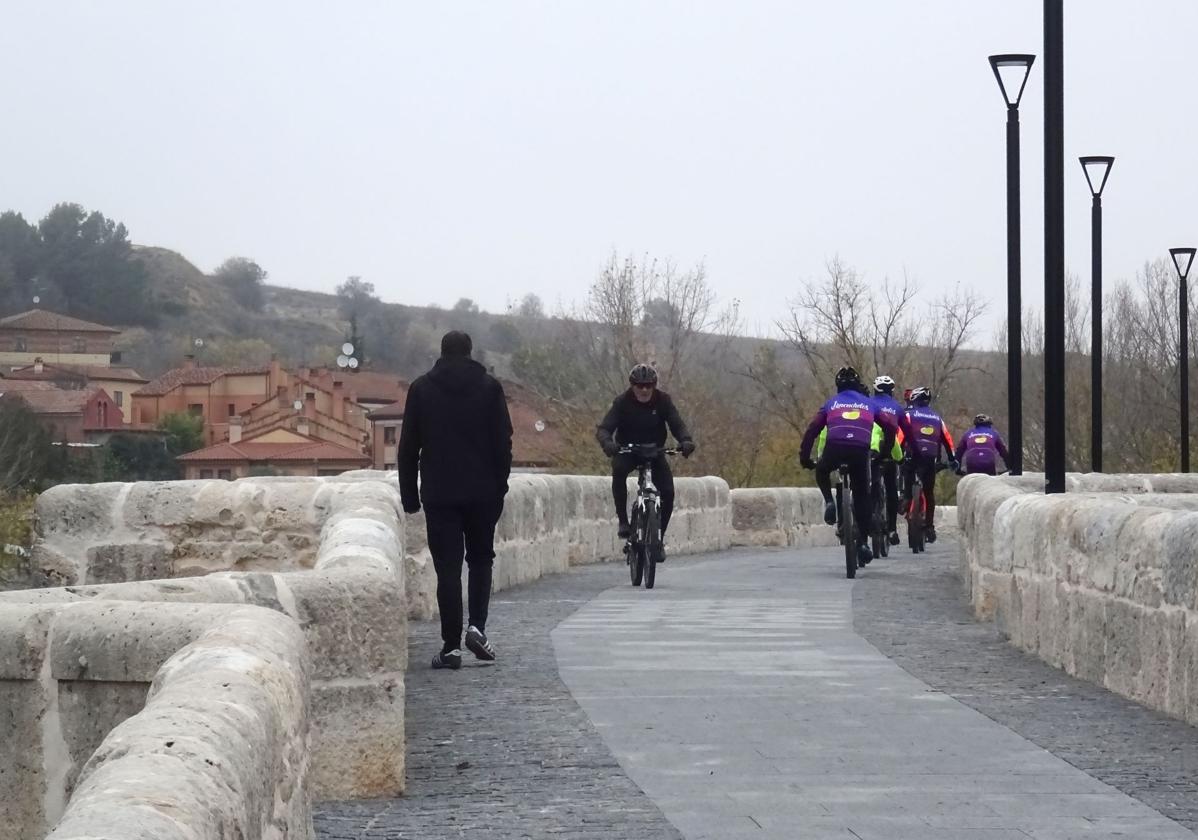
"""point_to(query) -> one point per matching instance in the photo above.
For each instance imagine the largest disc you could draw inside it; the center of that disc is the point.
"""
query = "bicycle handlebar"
(640, 449)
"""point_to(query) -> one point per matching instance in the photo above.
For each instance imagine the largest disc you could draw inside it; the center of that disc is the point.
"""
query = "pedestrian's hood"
(457, 373)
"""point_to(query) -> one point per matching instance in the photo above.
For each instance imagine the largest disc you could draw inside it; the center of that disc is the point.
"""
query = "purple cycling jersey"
(850, 419)
(928, 433)
(980, 450)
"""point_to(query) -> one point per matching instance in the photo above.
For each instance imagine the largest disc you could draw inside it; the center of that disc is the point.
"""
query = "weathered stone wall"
(343, 538)
(794, 517)
(1103, 585)
(552, 522)
(220, 749)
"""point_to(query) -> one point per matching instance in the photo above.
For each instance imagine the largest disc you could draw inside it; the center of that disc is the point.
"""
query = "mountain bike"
(917, 509)
(643, 548)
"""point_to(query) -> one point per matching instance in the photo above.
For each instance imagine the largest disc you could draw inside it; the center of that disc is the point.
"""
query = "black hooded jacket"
(632, 421)
(457, 433)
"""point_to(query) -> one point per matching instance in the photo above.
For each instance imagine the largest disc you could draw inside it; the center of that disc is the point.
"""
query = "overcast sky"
(486, 150)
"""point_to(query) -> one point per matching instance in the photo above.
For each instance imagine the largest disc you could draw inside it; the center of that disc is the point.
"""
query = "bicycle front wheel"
(652, 546)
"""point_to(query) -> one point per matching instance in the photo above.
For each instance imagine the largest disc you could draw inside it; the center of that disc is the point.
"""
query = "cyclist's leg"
(890, 479)
(862, 503)
(621, 466)
(824, 468)
(928, 476)
(664, 479)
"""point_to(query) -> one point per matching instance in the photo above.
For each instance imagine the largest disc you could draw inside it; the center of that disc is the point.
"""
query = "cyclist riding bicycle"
(641, 415)
(981, 447)
(928, 435)
(887, 404)
(849, 418)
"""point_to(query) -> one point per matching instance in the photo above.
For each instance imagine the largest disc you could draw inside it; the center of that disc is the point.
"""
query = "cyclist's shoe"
(894, 538)
(929, 534)
(864, 555)
(451, 660)
(476, 640)
(624, 531)
(830, 513)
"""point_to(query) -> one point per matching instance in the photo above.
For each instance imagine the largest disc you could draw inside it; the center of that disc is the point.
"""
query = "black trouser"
(890, 480)
(467, 528)
(857, 459)
(926, 467)
(622, 466)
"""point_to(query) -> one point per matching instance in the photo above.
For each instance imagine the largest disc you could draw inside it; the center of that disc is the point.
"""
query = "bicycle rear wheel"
(850, 534)
(651, 547)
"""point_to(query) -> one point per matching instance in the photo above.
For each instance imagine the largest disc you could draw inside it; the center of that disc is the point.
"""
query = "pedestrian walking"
(457, 436)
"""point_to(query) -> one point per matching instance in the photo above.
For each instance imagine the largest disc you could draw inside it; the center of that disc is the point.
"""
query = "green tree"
(88, 260)
(531, 307)
(24, 447)
(184, 432)
(466, 305)
(244, 279)
(504, 336)
(356, 297)
(139, 458)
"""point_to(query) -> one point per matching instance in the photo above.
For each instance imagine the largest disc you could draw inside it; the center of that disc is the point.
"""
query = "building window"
(205, 473)
(80, 344)
(388, 434)
(119, 397)
(197, 409)
(226, 475)
(19, 345)
(232, 409)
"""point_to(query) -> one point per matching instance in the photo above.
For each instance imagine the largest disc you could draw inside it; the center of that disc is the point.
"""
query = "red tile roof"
(52, 372)
(178, 377)
(19, 386)
(310, 450)
(394, 411)
(40, 319)
(58, 400)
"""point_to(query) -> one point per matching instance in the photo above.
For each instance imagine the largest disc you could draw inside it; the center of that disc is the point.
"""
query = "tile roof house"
(120, 382)
(217, 394)
(280, 451)
(27, 335)
(70, 416)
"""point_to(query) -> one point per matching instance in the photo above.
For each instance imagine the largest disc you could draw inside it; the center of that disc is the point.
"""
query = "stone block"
(358, 738)
(88, 711)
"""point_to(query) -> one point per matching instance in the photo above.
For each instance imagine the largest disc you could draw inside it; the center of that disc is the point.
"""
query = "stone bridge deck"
(758, 694)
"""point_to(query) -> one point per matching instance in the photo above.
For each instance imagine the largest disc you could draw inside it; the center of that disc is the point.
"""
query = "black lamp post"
(1011, 70)
(1054, 246)
(1182, 259)
(1096, 168)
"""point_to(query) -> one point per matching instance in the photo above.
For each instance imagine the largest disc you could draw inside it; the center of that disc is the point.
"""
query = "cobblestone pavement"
(915, 612)
(504, 752)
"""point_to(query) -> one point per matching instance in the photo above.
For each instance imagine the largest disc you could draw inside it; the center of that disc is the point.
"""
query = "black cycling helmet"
(642, 375)
(921, 395)
(983, 420)
(846, 378)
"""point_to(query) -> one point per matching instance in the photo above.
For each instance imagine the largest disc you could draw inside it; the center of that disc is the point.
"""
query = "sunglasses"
(639, 387)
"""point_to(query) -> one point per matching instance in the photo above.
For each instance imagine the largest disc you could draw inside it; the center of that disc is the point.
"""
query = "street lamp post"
(1011, 70)
(1054, 246)
(1182, 259)
(1096, 168)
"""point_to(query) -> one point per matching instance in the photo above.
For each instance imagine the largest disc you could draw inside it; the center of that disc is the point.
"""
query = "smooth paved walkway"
(740, 698)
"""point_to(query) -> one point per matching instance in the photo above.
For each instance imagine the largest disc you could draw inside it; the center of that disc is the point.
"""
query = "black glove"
(955, 466)
(688, 448)
(610, 448)
(807, 463)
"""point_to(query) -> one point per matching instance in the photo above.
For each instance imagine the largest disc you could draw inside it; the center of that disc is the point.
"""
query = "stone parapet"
(1099, 584)
(341, 580)
(552, 522)
(153, 721)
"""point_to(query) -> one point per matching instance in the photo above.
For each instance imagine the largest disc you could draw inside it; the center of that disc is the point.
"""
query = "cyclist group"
(854, 429)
